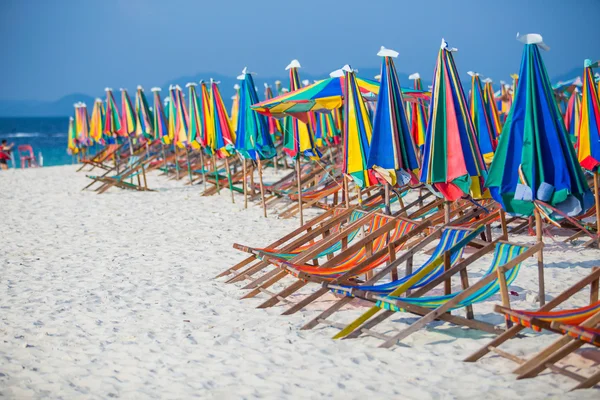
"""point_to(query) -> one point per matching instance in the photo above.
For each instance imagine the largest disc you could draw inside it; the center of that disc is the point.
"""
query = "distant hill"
(64, 105)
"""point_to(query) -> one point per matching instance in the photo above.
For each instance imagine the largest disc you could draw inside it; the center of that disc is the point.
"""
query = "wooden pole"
(504, 226)
(346, 197)
(388, 210)
(214, 162)
(203, 168)
(538, 230)
(299, 191)
(164, 158)
(447, 212)
(597, 197)
(245, 184)
(262, 188)
(229, 178)
(176, 161)
(189, 167)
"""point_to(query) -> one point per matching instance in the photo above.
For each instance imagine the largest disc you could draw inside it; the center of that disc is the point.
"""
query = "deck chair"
(101, 158)
(576, 327)
(134, 169)
(503, 269)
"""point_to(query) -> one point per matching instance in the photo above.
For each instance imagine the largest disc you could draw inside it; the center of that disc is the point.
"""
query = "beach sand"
(112, 296)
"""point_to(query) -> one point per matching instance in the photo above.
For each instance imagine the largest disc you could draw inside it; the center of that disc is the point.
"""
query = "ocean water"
(46, 135)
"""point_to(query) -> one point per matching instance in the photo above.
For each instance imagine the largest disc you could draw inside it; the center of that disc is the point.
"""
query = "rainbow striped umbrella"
(206, 102)
(357, 130)
(235, 105)
(171, 111)
(181, 127)
(297, 135)
(222, 140)
(82, 125)
(196, 125)
(326, 132)
(573, 114)
(588, 138)
(143, 114)
(160, 126)
(505, 100)
(486, 134)
(72, 147)
(535, 159)
(128, 119)
(491, 106)
(112, 121)
(452, 161)
(417, 114)
(273, 123)
(252, 133)
(97, 122)
(392, 155)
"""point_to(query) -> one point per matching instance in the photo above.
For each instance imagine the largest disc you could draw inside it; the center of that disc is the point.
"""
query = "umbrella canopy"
(357, 131)
(222, 139)
(417, 114)
(160, 126)
(72, 147)
(112, 121)
(491, 106)
(326, 131)
(573, 114)
(392, 155)
(181, 126)
(486, 135)
(235, 105)
(273, 123)
(196, 123)
(252, 133)
(206, 102)
(535, 159)
(143, 115)
(171, 111)
(588, 138)
(82, 125)
(506, 99)
(128, 117)
(452, 161)
(97, 122)
(298, 136)
(322, 95)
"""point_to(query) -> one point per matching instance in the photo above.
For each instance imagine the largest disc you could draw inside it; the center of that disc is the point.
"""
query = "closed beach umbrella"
(97, 122)
(112, 121)
(222, 140)
(588, 138)
(491, 106)
(128, 118)
(573, 114)
(273, 123)
(486, 135)
(417, 114)
(235, 105)
(144, 120)
(160, 127)
(195, 118)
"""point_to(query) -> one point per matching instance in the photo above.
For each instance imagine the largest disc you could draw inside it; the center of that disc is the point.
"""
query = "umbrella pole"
(597, 198)
(203, 168)
(245, 183)
(187, 156)
(447, 212)
(262, 188)
(346, 199)
(275, 163)
(176, 161)
(229, 178)
(503, 222)
(388, 210)
(299, 192)
(538, 230)
(164, 158)
(214, 162)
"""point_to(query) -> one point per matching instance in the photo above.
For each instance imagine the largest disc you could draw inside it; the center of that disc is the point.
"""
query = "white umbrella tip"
(487, 80)
(446, 46)
(383, 52)
(236, 86)
(190, 84)
(107, 89)
(139, 87)
(414, 76)
(98, 100)
(471, 73)
(306, 82)
(266, 85)
(377, 77)
(156, 89)
(293, 64)
(533, 38)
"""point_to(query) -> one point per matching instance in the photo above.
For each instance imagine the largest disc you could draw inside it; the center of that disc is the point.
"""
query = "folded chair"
(135, 167)
(576, 327)
(100, 159)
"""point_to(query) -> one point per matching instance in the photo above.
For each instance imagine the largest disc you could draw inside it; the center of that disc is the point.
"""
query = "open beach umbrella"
(417, 114)
(144, 120)
(112, 120)
(196, 123)
(128, 118)
(452, 161)
(491, 106)
(97, 122)
(298, 136)
(358, 130)
(160, 126)
(535, 161)
(222, 140)
(323, 95)
(588, 137)
(486, 135)
(392, 155)
(573, 114)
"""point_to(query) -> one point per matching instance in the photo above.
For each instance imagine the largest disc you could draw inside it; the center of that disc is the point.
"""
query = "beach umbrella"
(273, 123)
(182, 128)
(128, 117)
(72, 147)
(326, 94)
(597, 76)
(417, 114)
(97, 122)
(235, 105)
(392, 155)
(357, 131)
(573, 114)
(535, 161)
(144, 119)
(82, 125)
(505, 100)
(452, 161)
(112, 121)
(486, 135)
(515, 82)
(588, 138)
(196, 123)
(491, 106)
(171, 114)
(252, 134)
(326, 132)
(298, 136)
(160, 126)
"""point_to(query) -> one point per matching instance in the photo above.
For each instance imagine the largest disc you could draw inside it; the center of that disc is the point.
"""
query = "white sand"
(111, 296)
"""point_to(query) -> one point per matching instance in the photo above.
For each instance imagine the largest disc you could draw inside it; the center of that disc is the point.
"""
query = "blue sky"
(53, 48)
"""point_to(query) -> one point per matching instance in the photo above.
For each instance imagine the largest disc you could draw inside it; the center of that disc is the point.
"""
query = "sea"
(46, 135)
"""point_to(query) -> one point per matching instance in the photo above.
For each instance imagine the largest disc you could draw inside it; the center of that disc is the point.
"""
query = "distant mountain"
(64, 105)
